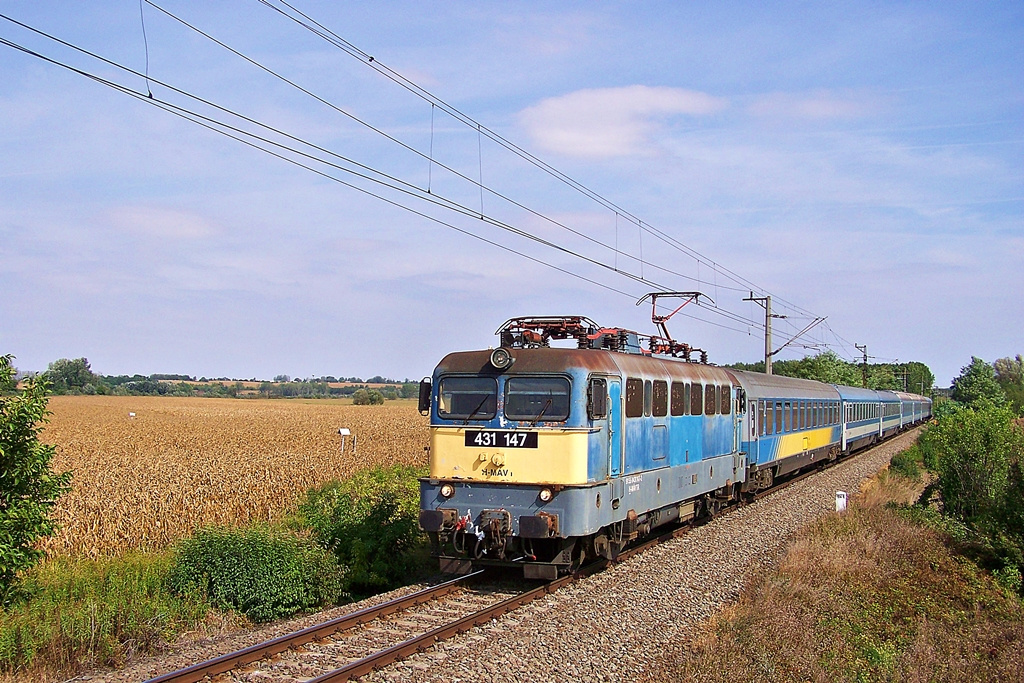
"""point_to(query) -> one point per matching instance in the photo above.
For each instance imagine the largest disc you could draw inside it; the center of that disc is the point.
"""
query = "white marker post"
(343, 432)
(840, 501)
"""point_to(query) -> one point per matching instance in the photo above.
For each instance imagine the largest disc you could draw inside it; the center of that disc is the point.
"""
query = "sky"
(860, 162)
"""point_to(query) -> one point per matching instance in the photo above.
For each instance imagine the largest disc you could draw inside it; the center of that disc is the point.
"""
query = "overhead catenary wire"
(367, 59)
(252, 140)
(397, 184)
(432, 161)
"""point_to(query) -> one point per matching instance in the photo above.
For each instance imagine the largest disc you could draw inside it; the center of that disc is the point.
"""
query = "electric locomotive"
(543, 456)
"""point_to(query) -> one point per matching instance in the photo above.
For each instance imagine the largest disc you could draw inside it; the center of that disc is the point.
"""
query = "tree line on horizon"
(75, 377)
(828, 367)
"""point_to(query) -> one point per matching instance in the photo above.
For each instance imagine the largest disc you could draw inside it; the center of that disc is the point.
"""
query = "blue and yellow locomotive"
(545, 456)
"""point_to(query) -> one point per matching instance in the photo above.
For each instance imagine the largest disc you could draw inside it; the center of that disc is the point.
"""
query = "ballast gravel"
(610, 626)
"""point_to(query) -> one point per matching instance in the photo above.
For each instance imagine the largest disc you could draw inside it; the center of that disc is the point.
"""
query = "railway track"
(379, 635)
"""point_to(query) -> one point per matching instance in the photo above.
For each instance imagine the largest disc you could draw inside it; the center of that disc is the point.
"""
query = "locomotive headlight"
(546, 495)
(447, 490)
(501, 358)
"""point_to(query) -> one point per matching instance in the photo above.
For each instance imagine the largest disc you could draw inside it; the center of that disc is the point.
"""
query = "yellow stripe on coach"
(798, 442)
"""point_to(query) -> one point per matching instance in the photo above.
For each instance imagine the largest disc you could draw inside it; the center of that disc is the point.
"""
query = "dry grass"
(862, 596)
(147, 481)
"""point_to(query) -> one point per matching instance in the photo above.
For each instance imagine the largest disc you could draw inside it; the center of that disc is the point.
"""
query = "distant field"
(149, 480)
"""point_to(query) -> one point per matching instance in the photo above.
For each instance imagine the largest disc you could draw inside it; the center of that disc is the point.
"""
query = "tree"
(977, 384)
(920, 378)
(883, 377)
(1009, 370)
(282, 378)
(28, 487)
(67, 375)
(1010, 376)
(368, 397)
(825, 367)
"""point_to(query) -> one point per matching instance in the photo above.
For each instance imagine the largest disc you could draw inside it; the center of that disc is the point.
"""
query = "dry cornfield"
(149, 480)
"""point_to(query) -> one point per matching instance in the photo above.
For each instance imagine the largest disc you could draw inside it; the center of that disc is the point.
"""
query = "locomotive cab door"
(614, 427)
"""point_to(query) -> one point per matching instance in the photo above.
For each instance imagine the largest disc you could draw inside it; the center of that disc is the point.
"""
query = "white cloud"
(819, 105)
(610, 122)
(160, 222)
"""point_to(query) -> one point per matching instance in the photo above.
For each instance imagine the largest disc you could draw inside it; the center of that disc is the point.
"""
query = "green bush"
(367, 397)
(906, 463)
(371, 523)
(94, 612)
(975, 450)
(977, 455)
(262, 572)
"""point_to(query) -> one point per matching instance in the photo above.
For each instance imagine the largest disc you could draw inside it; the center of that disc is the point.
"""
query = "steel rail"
(402, 650)
(254, 653)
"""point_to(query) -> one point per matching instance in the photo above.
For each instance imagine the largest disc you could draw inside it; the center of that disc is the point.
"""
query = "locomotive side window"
(687, 405)
(660, 401)
(598, 398)
(634, 397)
(464, 398)
(710, 399)
(696, 402)
(679, 398)
(726, 401)
(537, 398)
(647, 397)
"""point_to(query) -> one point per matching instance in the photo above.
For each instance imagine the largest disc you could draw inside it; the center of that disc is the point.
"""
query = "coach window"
(778, 417)
(647, 398)
(761, 415)
(634, 397)
(710, 399)
(660, 400)
(726, 402)
(678, 398)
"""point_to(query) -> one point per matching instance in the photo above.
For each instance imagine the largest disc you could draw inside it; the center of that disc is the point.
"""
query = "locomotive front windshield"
(537, 398)
(464, 398)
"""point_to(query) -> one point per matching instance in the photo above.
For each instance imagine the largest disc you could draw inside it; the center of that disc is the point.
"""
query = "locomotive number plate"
(488, 438)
